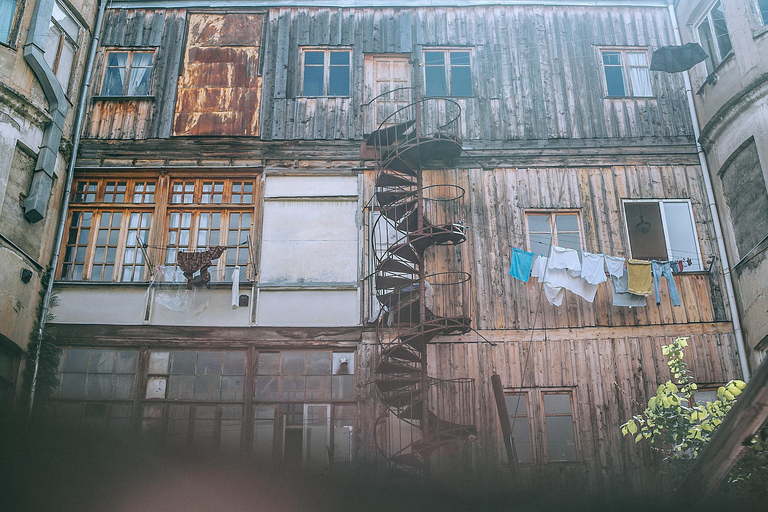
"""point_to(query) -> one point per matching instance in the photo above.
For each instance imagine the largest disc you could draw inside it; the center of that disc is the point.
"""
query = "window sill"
(449, 97)
(325, 96)
(123, 98)
(711, 78)
(759, 32)
(629, 97)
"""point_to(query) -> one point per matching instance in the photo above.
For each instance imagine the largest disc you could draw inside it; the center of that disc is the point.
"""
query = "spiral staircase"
(414, 224)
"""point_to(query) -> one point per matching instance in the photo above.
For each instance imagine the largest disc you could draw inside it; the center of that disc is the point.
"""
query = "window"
(626, 73)
(713, 36)
(562, 229)
(8, 12)
(127, 73)
(108, 230)
(448, 73)
(762, 11)
(326, 72)
(61, 44)
(306, 432)
(111, 221)
(663, 230)
(206, 213)
(543, 425)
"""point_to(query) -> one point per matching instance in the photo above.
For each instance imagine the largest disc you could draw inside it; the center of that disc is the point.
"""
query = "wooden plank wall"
(494, 208)
(536, 70)
(594, 369)
(158, 29)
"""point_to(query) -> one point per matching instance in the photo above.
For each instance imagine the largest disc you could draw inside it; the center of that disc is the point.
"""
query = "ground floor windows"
(294, 406)
(543, 425)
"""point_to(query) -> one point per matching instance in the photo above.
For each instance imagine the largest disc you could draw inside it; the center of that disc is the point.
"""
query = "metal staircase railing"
(415, 225)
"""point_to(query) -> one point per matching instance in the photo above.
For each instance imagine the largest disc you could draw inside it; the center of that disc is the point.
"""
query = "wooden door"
(384, 73)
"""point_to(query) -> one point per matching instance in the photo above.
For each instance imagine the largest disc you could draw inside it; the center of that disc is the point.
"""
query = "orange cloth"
(639, 277)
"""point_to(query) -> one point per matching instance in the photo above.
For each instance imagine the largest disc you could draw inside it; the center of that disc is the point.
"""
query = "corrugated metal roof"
(376, 3)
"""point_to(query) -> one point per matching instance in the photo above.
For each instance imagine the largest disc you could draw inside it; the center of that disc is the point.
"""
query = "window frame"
(623, 51)
(65, 37)
(13, 24)
(327, 51)
(448, 69)
(537, 426)
(128, 72)
(553, 226)
(664, 226)
(713, 62)
(762, 15)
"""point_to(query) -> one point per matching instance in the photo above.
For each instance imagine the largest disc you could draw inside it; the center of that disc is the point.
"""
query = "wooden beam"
(729, 442)
(506, 427)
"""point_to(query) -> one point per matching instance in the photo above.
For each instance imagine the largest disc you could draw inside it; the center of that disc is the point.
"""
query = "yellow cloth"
(639, 277)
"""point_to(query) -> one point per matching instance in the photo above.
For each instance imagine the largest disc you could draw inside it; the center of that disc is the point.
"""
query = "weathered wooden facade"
(280, 116)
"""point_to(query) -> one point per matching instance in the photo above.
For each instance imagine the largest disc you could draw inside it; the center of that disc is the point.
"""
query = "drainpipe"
(76, 129)
(42, 180)
(713, 209)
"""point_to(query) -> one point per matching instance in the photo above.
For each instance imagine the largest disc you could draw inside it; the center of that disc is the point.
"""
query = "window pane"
(234, 363)
(313, 73)
(207, 387)
(293, 363)
(126, 361)
(184, 362)
(158, 363)
(269, 363)
(99, 386)
(516, 405)
(569, 240)
(156, 387)
(263, 430)
(318, 363)
(232, 388)
(66, 59)
(209, 363)
(181, 387)
(721, 30)
(434, 58)
(318, 388)
(7, 15)
(178, 424)
(557, 403)
(77, 359)
(682, 237)
(461, 75)
(435, 77)
(339, 81)
(343, 387)
(567, 222)
(313, 58)
(560, 439)
(614, 78)
(67, 23)
(763, 7)
(231, 426)
(113, 81)
(343, 363)
(343, 425)
(292, 388)
(646, 233)
(72, 385)
(705, 38)
(267, 388)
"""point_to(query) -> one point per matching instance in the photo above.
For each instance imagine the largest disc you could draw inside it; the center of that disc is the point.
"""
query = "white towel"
(554, 294)
(593, 268)
(615, 265)
(236, 287)
(539, 267)
(562, 278)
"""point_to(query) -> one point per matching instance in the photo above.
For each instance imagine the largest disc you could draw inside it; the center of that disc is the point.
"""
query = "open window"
(663, 230)
(61, 44)
(713, 36)
(762, 11)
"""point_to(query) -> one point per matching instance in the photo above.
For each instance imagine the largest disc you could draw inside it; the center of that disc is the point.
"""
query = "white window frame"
(762, 15)
(664, 224)
(713, 61)
(446, 51)
(65, 37)
(327, 51)
(625, 67)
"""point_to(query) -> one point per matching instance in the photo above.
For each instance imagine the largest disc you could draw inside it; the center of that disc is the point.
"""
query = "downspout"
(76, 129)
(713, 208)
(36, 202)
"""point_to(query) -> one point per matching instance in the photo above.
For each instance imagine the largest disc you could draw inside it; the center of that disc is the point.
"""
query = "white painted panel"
(99, 305)
(309, 262)
(309, 186)
(309, 242)
(201, 306)
(308, 308)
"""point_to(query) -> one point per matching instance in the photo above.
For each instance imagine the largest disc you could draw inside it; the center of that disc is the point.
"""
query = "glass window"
(713, 36)
(448, 73)
(8, 11)
(98, 374)
(762, 10)
(517, 408)
(558, 420)
(562, 229)
(61, 44)
(626, 73)
(663, 230)
(326, 73)
(305, 375)
(127, 73)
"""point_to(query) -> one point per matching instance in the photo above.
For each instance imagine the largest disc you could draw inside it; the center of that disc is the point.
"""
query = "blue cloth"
(621, 295)
(664, 269)
(522, 261)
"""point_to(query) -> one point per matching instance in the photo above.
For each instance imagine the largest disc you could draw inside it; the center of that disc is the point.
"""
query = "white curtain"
(638, 74)
(141, 66)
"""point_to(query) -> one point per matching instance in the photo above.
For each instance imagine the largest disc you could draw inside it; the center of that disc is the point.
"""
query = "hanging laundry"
(615, 265)
(639, 277)
(191, 262)
(621, 295)
(561, 257)
(593, 268)
(236, 287)
(539, 267)
(554, 294)
(562, 278)
(664, 269)
(677, 267)
(522, 261)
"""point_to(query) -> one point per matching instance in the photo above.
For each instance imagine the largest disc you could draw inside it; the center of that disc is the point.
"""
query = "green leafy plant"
(679, 427)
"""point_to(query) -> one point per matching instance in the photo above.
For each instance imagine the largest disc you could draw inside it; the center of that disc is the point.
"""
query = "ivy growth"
(679, 427)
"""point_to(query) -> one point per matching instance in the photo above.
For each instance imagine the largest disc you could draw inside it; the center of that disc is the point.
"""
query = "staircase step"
(391, 367)
(410, 222)
(392, 264)
(413, 460)
(389, 135)
(402, 351)
(405, 251)
(402, 399)
(397, 162)
(414, 411)
(392, 179)
(386, 282)
(385, 198)
(385, 385)
(445, 234)
(397, 211)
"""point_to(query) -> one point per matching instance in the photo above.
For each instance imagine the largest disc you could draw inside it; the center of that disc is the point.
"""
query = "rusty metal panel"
(220, 90)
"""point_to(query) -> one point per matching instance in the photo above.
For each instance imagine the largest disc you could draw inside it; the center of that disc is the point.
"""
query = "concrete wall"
(732, 105)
